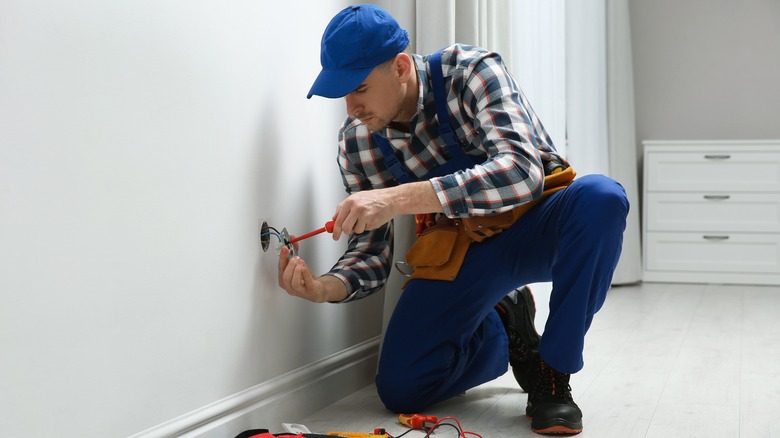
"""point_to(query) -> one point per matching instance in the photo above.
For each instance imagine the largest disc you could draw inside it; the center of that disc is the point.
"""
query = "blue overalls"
(445, 337)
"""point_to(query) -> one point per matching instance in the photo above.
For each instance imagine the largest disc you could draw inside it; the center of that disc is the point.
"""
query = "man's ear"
(403, 67)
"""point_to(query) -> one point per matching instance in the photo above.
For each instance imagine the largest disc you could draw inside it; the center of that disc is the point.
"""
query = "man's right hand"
(370, 209)
(296, 279)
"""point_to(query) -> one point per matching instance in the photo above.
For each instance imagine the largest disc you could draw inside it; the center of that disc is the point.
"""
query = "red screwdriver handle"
(328, 227)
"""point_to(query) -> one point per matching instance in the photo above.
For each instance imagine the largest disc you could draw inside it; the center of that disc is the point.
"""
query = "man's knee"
(397, 393)
(603, 196)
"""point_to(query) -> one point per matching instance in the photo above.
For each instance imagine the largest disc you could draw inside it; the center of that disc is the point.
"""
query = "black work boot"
(517, 311)
(550, 405)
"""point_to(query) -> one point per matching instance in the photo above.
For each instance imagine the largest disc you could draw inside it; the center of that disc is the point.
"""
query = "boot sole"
(557, 426)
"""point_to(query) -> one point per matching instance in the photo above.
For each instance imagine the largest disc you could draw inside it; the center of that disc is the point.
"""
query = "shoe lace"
(554, 384)
(518, 350)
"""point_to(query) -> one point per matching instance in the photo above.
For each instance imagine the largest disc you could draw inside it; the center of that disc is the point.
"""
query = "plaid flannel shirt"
(492, 119)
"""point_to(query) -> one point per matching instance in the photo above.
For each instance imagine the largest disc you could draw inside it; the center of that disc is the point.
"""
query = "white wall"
(141, 145)
(706, 69)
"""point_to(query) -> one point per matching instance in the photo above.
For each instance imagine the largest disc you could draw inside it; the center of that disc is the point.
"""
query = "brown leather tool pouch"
(439, 251)
(480, 228)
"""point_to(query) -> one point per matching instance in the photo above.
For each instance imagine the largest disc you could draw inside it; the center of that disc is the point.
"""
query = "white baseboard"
(285, 399)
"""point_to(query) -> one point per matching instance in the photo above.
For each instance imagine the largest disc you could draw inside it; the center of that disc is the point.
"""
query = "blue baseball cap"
(356, 40)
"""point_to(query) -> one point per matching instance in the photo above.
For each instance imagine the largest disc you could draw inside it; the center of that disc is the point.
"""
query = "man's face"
(378, 100)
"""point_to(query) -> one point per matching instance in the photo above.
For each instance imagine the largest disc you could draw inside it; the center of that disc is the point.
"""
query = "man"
(452, 136)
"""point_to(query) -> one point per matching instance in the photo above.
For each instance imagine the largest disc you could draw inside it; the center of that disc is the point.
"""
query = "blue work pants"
(445, 337)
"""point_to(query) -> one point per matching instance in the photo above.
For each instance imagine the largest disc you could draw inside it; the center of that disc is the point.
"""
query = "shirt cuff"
(351, 289)
(450, 196)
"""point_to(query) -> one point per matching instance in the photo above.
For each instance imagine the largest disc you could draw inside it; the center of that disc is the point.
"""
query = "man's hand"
(361, 211)
(296, 278)
(370, 209)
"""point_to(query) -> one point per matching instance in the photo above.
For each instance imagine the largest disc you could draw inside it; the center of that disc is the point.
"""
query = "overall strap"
(396, 168)
(440, 99)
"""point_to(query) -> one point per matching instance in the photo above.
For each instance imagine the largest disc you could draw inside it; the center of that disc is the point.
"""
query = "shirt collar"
(422, 83)
(423, 87)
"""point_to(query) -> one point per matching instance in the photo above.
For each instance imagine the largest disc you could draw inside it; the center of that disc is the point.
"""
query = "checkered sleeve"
(365, 265)
(505, 127)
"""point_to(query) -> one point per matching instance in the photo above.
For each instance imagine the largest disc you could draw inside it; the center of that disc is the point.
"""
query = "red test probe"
(328, 227)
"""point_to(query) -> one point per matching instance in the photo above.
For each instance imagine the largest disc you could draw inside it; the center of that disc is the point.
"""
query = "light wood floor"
(661, 360)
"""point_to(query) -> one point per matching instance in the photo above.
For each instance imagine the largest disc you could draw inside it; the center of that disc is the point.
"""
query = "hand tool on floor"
(416, 421)
(377, 433)
(264, 433)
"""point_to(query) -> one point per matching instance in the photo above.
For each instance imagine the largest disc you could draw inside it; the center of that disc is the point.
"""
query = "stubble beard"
(377, 124)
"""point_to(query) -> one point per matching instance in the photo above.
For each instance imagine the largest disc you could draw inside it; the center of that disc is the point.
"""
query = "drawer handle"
(717, 197)
(717, 157)
(711, 237)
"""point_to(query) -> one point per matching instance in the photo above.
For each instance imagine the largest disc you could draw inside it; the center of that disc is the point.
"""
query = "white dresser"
(711, 211)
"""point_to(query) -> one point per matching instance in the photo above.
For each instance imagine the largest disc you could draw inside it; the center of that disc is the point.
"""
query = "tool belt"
(263, 433)
(439, 251)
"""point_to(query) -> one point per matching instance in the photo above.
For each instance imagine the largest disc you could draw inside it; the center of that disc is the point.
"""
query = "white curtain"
(586, 86)
(433, 24)
(538, 61)
(600, 108)
(622, 135)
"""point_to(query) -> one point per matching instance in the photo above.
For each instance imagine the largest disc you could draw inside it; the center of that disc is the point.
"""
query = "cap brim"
(338, 83)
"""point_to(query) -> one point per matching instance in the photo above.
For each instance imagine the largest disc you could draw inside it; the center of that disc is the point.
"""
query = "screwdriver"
(328, 227)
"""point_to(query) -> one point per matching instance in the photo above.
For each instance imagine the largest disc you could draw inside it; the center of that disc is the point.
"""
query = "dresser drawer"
(731, 171)
(713, 211)
(717, 253)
